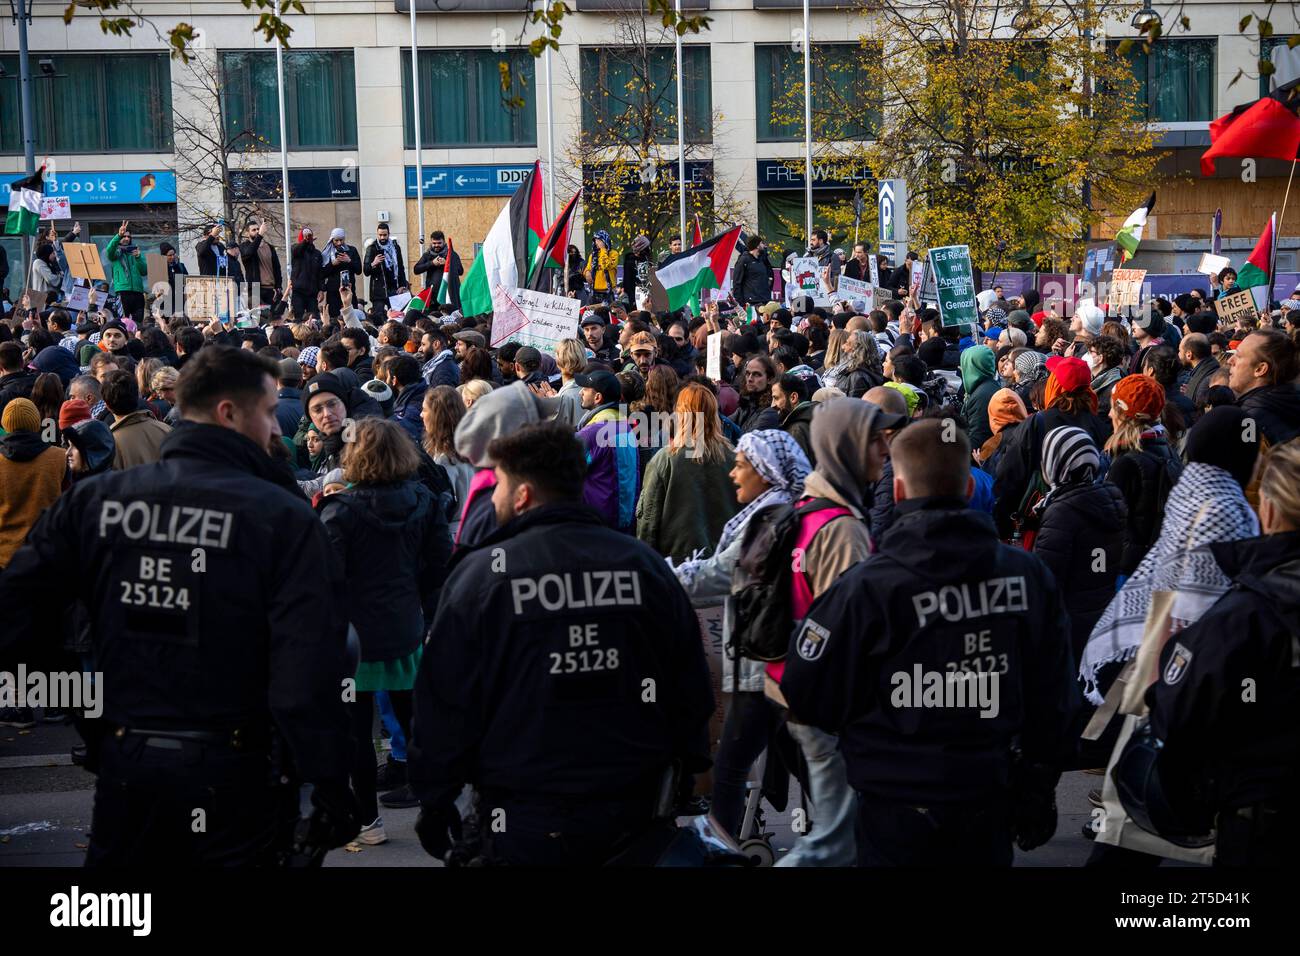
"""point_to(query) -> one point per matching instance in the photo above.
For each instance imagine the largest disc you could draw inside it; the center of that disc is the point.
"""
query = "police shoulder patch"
(811, 640)
(1177, 665)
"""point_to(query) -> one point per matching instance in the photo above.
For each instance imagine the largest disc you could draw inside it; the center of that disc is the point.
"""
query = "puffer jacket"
(1140, 475)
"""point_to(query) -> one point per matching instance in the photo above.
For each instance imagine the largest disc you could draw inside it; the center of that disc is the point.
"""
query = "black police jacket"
(214, 596)
(1226, 702)
(565, 660)
(877, 660)
(393, 543)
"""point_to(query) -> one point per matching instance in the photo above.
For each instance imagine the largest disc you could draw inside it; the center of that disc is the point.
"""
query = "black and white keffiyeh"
(1205, 506)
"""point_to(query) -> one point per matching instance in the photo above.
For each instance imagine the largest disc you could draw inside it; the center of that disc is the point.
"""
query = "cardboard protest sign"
(862, 295)
(954, 284)
(533, 318)
(156, 265)
(1126, 288)
(1234, 306)
(210, 297)
(1212, 265)
(84, 261)
(56, 207)
(713, 356)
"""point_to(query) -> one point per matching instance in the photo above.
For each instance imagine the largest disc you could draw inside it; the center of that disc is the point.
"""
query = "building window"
(639, 88)
(98, 103)
(1175, 80)
(843, 107)
(1266, 48)
(320, 98)
(462, 103)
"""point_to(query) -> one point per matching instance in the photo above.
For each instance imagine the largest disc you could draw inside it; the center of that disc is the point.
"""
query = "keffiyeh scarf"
(1205, 506)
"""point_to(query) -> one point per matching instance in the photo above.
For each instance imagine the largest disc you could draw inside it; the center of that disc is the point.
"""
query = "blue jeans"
(387, 715)
(830, 841)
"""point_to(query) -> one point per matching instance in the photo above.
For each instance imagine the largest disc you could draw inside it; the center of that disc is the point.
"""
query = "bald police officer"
(213, 593)
(943, 662)
(564, 675)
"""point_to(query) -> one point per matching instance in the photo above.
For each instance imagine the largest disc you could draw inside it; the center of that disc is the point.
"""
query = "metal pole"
(25, 97)
(415, 114)
(681, 135)
(284, 153)
(550, 143)
(807, 120)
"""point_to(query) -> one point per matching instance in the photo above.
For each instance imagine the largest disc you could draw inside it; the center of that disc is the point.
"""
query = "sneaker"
(56, 715)
(400, 799)
(392, 774)
(1094, 797)
(20, 717)
(372, 834)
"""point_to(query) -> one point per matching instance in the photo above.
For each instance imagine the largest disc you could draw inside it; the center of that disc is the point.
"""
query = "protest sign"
(713, 356)
(56, 207)
(808, 280)
(875, 272)
(1126, 288)
(533, 318)
(79, 297)
(918, 276)
(398, 302)
(1212, 265)
(83, 260)
(210, 297)
(1234, 306)
(954, 285)
(856, 292)
(156, 266)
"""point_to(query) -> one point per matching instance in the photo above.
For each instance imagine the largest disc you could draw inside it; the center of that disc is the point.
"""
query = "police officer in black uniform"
(943, 662)
(1226, 706)
(217, 629)
(564, 675)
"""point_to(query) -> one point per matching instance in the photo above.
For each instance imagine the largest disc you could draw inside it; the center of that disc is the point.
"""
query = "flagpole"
(29, 133)
(1277, 235)
(284, 152)
(681, 134)
(550, 142)
(415, 115)
(807, 122)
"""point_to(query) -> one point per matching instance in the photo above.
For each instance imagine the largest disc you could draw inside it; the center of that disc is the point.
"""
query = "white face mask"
(1094, 361)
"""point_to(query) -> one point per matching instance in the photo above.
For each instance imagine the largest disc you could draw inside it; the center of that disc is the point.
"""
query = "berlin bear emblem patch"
(1177, 665)
(811, 640)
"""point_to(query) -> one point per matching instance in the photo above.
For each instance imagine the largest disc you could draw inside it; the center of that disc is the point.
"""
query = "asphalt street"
(45, 812)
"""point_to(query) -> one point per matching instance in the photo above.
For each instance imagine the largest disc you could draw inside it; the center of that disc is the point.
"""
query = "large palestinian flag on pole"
(552, 252)
(1130, 234)
(706, 266)
(1256, 275)
(509, 247)
(25, 204)
(1268, 127)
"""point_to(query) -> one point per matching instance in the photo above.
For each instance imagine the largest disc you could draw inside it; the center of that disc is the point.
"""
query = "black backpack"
(434, 477)
(762, 613)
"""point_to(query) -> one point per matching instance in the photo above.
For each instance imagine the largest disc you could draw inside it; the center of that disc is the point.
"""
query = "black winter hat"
(1219, 438)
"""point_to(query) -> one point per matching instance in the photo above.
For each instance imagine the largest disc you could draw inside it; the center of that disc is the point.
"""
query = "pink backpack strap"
(809, 525)
(483, 479)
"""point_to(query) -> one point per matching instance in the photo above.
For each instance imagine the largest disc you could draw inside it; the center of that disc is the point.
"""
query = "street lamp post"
(21, 14)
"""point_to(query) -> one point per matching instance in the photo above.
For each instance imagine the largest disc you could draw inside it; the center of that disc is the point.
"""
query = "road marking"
(35, 760)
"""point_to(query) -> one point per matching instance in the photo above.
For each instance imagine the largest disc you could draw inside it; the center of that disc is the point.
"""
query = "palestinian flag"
(509, 247)
(1130, 234)
(25, 204)
(696, 239)
(706, 266)
(1266, 128)
(421, 301)
(1257, 273)
(550, 254)
(444, 287)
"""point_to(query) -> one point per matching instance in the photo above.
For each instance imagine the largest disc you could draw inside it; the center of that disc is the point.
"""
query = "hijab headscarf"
(977, 366)
(1206, 505)
(1005, 408)
(780, 462)
(1070, 457)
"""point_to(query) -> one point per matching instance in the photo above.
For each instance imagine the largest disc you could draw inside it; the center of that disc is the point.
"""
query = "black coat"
(752, 417)
(1140, 476)
(346, 259)
(1080, 539)
(253, 638)
(530, 690)
(305, 271)
(1198, 383)
(386, 599)
(17, 384)
(252, 265)
(433, 274)
(798, 425)
(383, 283)
(207, 255)
(751, 279)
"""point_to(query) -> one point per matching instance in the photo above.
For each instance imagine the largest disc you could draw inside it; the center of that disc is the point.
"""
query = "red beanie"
(1135, 395)
(1071, 373)
(72, 411)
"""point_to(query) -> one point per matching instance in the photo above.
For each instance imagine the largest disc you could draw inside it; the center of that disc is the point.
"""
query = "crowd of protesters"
(1126, 457)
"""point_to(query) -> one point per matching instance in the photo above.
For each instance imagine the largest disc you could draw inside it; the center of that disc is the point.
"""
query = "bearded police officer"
(943, 662)
(217, 630)
(564, 675)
